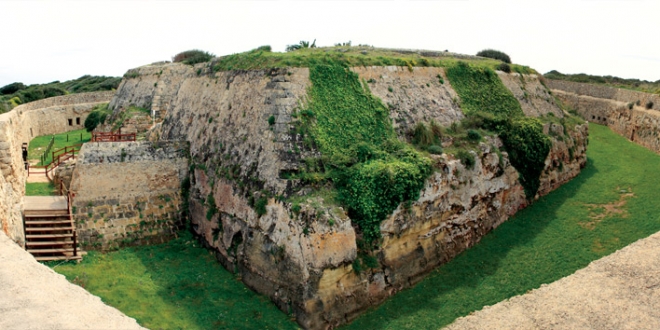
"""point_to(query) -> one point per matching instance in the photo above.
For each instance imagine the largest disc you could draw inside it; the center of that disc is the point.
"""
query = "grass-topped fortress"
(330, 178)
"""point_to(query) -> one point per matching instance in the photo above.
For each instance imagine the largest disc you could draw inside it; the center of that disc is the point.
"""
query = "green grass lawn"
(39, 189)
(39, 144)
(178, 285)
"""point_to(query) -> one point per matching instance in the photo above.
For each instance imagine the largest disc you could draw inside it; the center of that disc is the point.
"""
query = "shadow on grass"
(205, 294)
(476, 277)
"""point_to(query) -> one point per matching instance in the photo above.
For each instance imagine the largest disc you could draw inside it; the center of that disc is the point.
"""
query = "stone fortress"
(214, 142)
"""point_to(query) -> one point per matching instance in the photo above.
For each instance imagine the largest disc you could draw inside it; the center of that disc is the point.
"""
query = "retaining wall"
(128, 193)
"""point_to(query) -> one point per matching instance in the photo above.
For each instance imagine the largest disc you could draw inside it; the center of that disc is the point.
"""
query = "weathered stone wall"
(128, 193)
(302, 257)
(605, 92)
(638, 125)
(616, 108)
(534, 98)
(456, 208)
(413, 96)
(48, 116)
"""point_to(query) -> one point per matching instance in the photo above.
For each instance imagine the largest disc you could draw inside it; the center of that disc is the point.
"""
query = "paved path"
(619, 291)
(39, 203)
(32, 296)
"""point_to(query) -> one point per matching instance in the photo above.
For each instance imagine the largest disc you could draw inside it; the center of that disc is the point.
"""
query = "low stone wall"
(128, 193)
(48, 116)
(638, 125)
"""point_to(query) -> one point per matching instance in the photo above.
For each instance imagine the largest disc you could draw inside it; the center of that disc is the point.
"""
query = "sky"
(45, 41)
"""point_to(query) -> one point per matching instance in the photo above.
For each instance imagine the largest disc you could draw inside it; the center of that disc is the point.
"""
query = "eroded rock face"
(243, 146)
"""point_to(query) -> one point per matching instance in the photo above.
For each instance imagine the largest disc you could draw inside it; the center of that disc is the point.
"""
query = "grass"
(549, 240)
(39, 144)
(350, 56)
(179, 285)
(39, 189)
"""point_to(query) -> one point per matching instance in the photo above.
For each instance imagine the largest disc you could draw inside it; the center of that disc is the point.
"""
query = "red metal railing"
(112, 137)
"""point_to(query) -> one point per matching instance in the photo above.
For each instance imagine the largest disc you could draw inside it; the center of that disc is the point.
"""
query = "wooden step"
(49, 243)
(47, 222)
(52, 258)
(45, 213)
(48, 229)
(63, 250)
(48, 236)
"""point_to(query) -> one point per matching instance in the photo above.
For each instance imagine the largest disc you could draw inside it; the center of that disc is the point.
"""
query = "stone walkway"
(41, 203)
(619, 291)
(32, 296)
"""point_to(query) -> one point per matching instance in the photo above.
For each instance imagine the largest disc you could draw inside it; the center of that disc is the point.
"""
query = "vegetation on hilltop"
(17, 93)
(192, 57)
(496, 54)
(351, 56)
(632, 84)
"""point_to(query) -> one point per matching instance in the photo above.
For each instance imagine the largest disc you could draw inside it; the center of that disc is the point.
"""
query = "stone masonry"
(128, 193)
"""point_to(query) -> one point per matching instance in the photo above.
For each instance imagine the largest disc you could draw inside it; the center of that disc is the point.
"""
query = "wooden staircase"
(50, 233)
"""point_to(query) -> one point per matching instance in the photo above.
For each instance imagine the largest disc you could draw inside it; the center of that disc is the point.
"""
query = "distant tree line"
(18, 93)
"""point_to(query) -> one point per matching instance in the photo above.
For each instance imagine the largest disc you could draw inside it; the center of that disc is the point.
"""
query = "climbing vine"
(487, 102)
(371, 169)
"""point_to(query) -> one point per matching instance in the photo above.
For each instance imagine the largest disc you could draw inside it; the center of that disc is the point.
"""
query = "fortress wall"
(128, 193)
(638, 125)
(415, 96)
(605, 92)
(455, 210)
(19, 126)
(612, 107)
(302, 259)
(534, 98)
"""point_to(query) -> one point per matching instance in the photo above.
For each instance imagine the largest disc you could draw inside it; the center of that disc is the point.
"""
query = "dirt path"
(620, 291)
(32, 296)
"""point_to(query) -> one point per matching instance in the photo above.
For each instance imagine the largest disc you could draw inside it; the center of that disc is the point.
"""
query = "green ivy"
(481, 89)
(371, 169)
(488, 104)
(527, 147)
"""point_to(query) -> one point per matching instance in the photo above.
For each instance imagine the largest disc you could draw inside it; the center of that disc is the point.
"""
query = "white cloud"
(48, 40)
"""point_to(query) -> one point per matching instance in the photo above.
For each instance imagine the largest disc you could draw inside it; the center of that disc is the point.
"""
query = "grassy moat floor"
(608, 206)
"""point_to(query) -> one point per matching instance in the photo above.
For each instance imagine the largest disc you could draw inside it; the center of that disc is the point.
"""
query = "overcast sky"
(43, 41)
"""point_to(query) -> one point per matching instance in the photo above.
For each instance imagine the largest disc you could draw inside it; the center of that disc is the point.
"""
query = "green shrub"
(504, 67)
(192, 57)
(496, 54)
(527, 147)
(96, 117)
(12, 88)
(260, 206)
(435, 149)
(473, 135)
(467, 158)
(271, 120)
(422, 135)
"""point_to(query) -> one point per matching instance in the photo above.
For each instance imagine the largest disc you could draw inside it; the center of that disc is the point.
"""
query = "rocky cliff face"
(304, 254)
